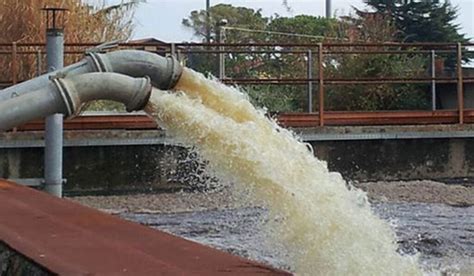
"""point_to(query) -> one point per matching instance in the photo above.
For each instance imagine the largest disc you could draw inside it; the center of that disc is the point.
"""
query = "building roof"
(149, 40)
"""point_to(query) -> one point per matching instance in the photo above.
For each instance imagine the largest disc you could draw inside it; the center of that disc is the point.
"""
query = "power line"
(282, 33)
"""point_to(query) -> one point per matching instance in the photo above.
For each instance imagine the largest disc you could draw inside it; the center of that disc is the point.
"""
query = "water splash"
(328, 227)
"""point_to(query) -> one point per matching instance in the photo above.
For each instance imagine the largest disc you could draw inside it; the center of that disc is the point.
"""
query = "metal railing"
(25, 60)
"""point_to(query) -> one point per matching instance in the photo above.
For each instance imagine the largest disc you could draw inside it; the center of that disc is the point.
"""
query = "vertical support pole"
(328, 8)
(222, 54)
(321, 84)
(175, 52)
(433, 80)
(14, 69)
(14, 63)
(208, 21)
(460, 84)
(221, 63)
(39, 64)
(173, 49)
(220, 32)
(53, 155)
(310, 82)
(220, 39)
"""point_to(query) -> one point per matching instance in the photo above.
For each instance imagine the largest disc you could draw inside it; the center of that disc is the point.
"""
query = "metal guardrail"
(312, 52)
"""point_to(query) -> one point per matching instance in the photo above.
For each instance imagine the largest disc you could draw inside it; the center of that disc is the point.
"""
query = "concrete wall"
(111, 169)
(399, 159)
(120, 169)
(13, 263)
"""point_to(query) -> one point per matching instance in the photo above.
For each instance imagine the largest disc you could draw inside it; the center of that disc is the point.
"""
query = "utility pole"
(208, 21)
(328, 9)
(53, 151)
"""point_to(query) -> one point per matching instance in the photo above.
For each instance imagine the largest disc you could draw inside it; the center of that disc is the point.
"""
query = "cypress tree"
(422, 20)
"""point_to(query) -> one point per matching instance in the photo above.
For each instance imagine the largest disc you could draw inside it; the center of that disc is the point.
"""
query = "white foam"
(328, 228)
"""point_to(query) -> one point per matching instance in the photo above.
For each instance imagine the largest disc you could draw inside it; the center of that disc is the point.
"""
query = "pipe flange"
(141, 96)
(62, 88)
(97, 61)
(176, 70)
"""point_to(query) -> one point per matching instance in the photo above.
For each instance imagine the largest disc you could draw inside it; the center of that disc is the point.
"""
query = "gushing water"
(326, 226)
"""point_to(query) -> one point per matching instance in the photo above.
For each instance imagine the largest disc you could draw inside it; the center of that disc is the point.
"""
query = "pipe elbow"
(134, 93)
(164, 72)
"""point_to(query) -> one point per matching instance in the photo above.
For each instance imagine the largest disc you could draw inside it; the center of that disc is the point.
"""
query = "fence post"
(321, 84)
(221, 63)
(220, 40)
(433, 80)
(460, 84)
(310, 82)
(14, 63)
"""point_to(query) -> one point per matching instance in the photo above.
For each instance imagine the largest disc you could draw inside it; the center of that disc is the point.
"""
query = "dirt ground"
(397, 191)
(160, 203)
(424, 191)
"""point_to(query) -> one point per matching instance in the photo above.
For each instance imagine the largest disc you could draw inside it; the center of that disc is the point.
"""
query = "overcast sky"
(162, 18)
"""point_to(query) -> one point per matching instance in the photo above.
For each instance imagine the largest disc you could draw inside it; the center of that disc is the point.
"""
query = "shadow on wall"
(164, 168)
(113, 169)
(405, 159)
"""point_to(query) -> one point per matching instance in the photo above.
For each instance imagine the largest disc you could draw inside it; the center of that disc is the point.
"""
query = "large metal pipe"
(164, 72)
(66, 96)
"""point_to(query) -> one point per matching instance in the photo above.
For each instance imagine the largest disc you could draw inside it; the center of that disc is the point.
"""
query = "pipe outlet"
(75, 91)
(67, 95)
(164, 72)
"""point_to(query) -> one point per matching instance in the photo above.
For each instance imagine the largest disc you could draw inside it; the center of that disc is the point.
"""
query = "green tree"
(298, 29)
(421, 21)
(249, 26)
(235, 16)
(284, 62)
(374, 27)
(278, 64)
(319, 27)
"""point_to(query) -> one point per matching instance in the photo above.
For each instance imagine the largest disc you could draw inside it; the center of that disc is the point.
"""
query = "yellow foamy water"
(327, 228)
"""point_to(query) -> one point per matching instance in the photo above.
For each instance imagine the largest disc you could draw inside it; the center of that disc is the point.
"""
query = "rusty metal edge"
(348, 118)
(69, 239)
